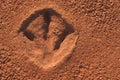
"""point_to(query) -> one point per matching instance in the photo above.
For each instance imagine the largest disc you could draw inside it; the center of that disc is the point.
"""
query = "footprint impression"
(55, 39)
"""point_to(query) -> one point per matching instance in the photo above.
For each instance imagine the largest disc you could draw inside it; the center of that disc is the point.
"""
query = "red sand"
(59, 40)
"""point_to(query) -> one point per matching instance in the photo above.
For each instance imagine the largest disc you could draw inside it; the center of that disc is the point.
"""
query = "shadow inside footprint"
(47, 14)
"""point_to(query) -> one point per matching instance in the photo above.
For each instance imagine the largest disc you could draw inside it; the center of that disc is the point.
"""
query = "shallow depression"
(48, 26)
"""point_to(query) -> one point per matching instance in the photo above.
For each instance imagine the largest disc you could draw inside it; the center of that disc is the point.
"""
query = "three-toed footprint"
(54, 37)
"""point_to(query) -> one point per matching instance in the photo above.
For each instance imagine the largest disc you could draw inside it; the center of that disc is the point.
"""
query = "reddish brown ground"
(95, 55)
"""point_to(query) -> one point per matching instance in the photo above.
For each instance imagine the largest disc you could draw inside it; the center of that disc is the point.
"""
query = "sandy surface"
(59, 39)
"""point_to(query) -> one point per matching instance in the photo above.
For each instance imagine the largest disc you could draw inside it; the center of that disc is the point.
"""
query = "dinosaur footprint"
(54, 36)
